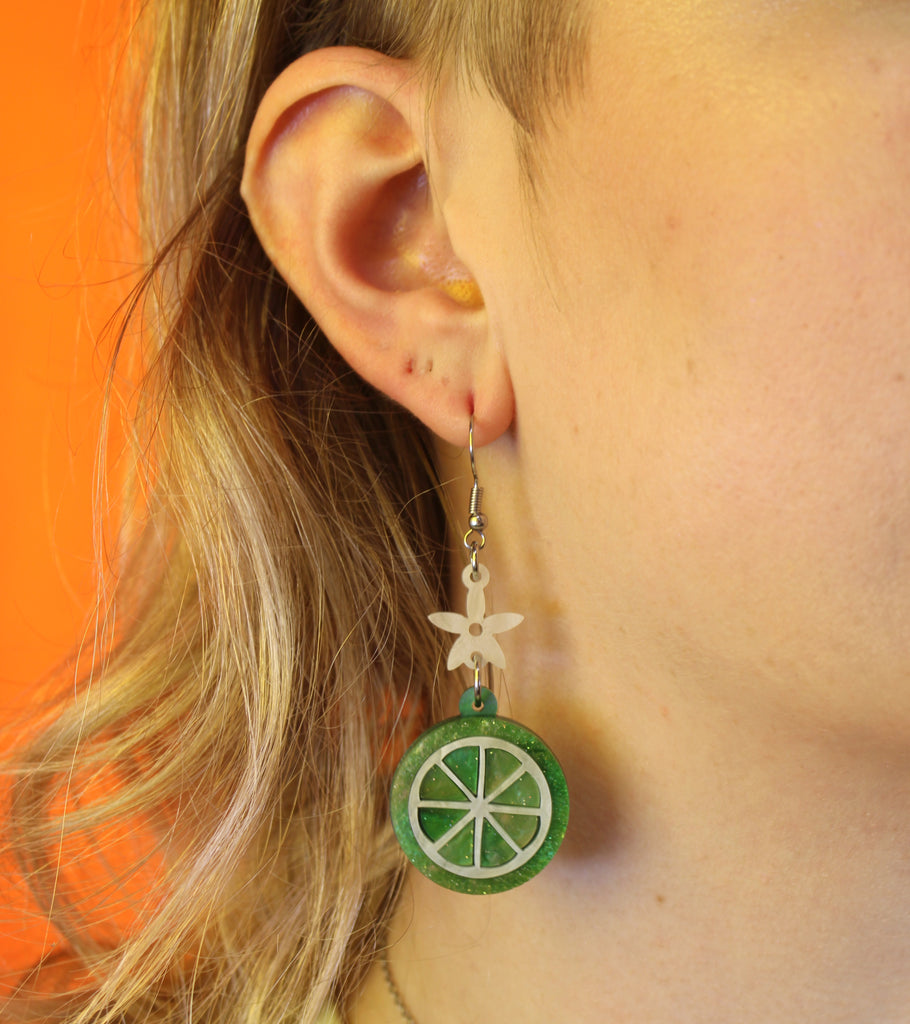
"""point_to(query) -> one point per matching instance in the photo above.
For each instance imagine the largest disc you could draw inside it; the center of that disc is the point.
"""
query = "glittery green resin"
(479, 803)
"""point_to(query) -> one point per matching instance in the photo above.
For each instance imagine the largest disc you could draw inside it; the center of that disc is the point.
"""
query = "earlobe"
(336, 185)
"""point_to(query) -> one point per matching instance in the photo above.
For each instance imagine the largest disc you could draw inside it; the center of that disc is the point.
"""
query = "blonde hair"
(270, 654)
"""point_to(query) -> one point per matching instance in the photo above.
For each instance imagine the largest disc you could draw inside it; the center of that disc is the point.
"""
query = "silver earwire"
(477, 521)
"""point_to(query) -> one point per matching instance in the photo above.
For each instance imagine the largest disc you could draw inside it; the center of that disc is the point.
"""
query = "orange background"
(65, 264)
(64, 242)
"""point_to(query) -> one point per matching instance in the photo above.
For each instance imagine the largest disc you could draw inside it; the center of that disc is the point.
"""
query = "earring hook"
(471, 448)
(474, 539)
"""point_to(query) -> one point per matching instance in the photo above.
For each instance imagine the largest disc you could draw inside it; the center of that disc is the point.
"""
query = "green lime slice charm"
(479, 803)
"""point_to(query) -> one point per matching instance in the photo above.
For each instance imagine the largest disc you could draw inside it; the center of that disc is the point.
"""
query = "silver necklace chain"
(406, 1014)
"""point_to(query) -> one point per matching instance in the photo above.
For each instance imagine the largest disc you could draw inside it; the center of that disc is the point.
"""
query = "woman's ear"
(337, 188)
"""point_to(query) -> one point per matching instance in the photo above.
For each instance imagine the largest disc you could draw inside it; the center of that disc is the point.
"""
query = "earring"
(479, 803)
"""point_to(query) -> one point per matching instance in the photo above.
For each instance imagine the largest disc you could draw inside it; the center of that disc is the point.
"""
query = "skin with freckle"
(715, 309)
(704, 511)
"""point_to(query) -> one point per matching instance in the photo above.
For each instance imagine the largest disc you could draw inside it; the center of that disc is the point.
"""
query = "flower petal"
(476, 601)
(461, 652)
(451, 622)
(501, 622)
(488, 648)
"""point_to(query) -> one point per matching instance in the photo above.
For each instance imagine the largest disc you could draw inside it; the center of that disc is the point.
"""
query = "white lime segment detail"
(480, 807)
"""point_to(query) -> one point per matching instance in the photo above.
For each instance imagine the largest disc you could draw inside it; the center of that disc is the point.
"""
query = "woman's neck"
(770, 890)
(736, 851)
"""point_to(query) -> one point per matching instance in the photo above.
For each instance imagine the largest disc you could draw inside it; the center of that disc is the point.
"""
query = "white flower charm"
(477, 631)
